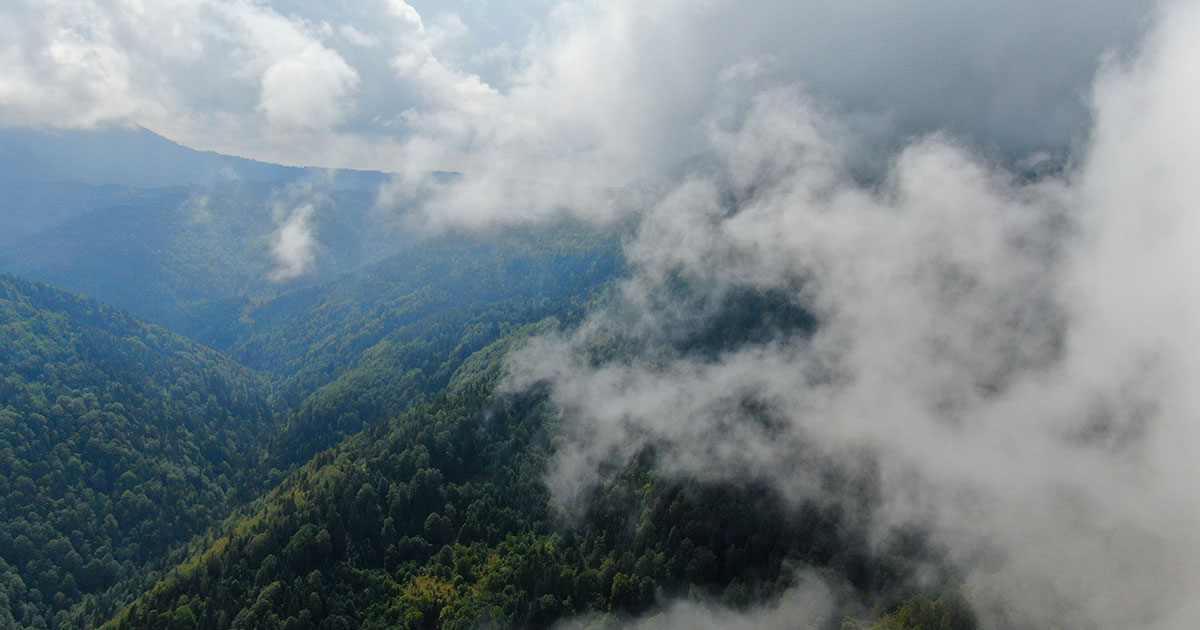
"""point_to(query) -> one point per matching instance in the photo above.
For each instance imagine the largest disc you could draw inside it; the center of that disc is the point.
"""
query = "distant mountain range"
(139, 158)
(47, 177)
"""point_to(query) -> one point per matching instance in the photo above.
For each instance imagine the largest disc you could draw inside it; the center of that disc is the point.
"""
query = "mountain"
(334, 358)
(136, 157)
(119, 441)
(436, 518)
(161, 254)
(69, 200)
(131, 157)
(333, 448)
(29, 207)
(367, 344)
(431, 514)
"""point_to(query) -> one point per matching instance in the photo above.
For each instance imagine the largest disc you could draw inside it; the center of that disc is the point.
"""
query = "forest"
(339, 456)
(339, 451)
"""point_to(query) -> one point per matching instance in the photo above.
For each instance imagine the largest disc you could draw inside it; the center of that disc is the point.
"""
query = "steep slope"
(437, 518)
(368, 344)
(347, 353)
(118, 441)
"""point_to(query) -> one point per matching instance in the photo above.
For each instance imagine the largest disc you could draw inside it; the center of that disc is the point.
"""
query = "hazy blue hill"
(110, 254)
(435, 276)
(28, 207)
(47, 177)
(161, 254)
(362, 344)
(118, 442)
(127, 157)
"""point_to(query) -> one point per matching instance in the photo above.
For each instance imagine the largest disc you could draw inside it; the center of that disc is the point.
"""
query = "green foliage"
(364, 347)
(118, 441)
(436, 518)
(950, 611)
(371, 474)
(164, 438)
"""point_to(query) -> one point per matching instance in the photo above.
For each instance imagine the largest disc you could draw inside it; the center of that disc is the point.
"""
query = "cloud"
(294, 246)
(203, 71)
(307, 90)
(418, 63)
(357, 37)
(807, 605)
(611, 95)
(1014, 357)
(61, 65)
(606, 91)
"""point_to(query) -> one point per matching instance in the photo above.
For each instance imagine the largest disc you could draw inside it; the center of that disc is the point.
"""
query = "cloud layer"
(613, 88)
(1014, 356)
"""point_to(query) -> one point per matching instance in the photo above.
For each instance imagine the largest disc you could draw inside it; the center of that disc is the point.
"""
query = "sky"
(387, 85)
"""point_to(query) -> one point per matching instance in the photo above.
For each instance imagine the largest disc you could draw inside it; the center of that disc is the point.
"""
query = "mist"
(1014, 354)
(294, 244)
(807, 606)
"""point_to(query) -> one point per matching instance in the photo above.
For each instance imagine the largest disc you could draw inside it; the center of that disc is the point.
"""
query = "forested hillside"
(336, 453)
(366, 345)
(118, 441)
(336, 357)
(437, 518)
(402, 489)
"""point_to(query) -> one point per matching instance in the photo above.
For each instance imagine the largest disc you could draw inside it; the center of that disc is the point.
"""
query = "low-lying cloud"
(809, 605)
(293, 244)
(1016, 355)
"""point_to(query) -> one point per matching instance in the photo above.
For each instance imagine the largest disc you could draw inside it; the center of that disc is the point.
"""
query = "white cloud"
(294, 245)
(404, 11)
(805, 606)
(357, 37)
(307, 90)
(418, 62)
(62, 66)
(250, 71)
(1017, 358)
(619, 88)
